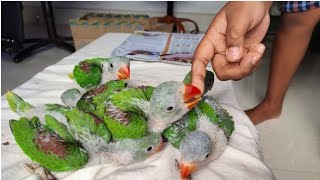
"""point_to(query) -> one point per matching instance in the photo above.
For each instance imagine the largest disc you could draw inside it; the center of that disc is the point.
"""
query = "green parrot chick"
(129, 151)
(202, 146)
(169, 102)
(115, 68)
(92, 72)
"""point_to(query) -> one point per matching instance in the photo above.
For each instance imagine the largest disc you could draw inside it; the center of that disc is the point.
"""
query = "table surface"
(241, 159)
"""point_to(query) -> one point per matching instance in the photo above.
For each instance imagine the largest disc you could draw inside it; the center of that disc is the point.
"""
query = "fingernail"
(255, 59)
(234, 52)
(261, 48)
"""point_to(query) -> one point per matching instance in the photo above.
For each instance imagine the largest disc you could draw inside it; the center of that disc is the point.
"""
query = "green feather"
(59, 128)
(225, 120)
(100, 95)
(207, 110)
(208, 81)
(88, 72)
(192, 120)
(68, 157)
(71, 76)
(187, 78)
(227, 125)
(35, 121)
(86, 105)
(97, 60)
(84, 122)
(100, 110)
(17, 104)
(57, 108)
(178, 130)
(110, 88)
(137, 127)
(87, 79)
(148, 92)
(126, 99)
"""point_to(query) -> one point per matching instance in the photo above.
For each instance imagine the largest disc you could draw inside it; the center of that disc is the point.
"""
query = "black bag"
(12, 33)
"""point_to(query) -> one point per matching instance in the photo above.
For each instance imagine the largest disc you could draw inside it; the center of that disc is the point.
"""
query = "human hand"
(232, 42)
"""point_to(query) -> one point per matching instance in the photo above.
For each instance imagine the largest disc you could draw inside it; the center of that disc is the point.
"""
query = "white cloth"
(242, 158)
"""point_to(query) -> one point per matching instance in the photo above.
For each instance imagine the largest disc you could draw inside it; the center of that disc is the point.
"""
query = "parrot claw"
(35, 169)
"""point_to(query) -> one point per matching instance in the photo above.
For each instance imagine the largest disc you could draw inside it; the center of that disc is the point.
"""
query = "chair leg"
(28, 51)
(65, 46)
(33, 40)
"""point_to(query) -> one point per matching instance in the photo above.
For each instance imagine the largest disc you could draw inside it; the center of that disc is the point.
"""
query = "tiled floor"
(14, 74)
(291, 143)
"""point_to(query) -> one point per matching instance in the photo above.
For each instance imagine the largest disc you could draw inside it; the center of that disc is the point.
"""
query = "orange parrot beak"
(186, 169)
(124, 72)
(157, 149)
(192, 95)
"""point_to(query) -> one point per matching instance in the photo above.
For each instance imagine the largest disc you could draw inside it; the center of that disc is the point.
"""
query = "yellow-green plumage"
(122, 115)
(88, 72)
(17, 104)
(88, 122)
(96, 97)
(59, 128)
(136, 129)
(33, 138)
(211, 109)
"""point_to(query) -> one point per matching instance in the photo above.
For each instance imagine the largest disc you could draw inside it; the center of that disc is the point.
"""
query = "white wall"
(201, 12)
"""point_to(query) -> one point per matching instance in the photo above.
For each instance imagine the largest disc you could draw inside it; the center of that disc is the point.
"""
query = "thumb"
(237, 27)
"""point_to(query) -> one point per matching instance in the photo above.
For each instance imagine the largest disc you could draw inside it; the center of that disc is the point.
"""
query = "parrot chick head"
(115, 68)
(148, 146)
(169, 102)
(129, 151)
(71, 97)
(195, 149)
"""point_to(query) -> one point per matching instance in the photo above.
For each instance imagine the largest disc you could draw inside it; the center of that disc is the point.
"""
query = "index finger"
(203, 55)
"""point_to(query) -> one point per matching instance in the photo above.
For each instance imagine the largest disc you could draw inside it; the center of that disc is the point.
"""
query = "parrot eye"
(150, 148)
(170, 108)
(101, 65)
(111, 65)
(126, 85)
(207, 156)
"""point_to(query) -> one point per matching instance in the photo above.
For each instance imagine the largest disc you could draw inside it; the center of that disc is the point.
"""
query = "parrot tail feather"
(71, 76)
(57, 108)
(17, 104)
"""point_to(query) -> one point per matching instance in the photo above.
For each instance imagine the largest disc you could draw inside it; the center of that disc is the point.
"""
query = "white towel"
(242, 158)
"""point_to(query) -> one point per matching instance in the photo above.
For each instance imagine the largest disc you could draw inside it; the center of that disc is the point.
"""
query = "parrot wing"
(88, 72)
(46, 147)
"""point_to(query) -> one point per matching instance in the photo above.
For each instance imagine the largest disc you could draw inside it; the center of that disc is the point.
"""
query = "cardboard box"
(153, 25)
(93, 25)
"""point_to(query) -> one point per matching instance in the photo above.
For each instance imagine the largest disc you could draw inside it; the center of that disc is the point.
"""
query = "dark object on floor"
(11, 26)
(6, 143)
(53, 38)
